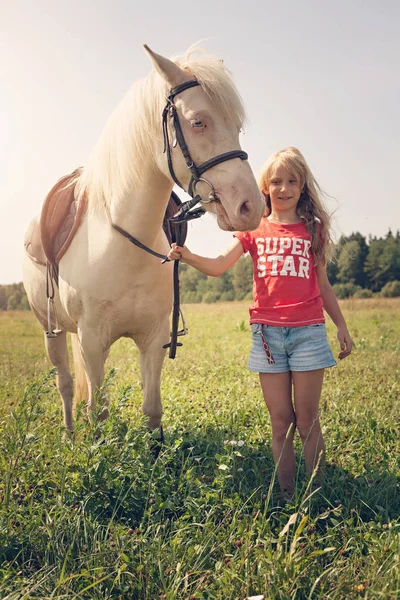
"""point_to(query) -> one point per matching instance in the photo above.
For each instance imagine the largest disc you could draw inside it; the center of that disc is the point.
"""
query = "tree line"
(13, 297)
(360, 268)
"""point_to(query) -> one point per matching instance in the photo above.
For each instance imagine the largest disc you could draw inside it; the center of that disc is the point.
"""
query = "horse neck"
(123, 171)
(141, 209)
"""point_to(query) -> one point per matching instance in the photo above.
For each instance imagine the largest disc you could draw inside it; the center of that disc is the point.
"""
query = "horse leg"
(93, 358)
(151, 362)
(58, 354)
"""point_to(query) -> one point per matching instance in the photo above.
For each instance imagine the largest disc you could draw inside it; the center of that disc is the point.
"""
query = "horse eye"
(196, 123)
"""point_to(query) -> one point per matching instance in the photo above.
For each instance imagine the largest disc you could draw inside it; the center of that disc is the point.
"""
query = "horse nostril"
(244, 209)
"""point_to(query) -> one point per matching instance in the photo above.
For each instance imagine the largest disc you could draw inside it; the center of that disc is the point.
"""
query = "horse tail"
(81, 386)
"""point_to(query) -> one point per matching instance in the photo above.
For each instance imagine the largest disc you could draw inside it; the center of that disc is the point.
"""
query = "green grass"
(96, 517)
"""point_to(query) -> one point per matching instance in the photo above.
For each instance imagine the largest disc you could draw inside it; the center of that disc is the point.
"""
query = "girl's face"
(284, 190)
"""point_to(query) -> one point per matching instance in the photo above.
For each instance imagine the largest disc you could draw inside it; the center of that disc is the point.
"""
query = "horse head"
(202, 121)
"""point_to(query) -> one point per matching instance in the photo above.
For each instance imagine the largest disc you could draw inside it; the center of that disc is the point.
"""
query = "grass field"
(96, 517)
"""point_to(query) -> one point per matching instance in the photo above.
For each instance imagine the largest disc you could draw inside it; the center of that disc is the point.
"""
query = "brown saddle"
(60, 218)
(48, 238)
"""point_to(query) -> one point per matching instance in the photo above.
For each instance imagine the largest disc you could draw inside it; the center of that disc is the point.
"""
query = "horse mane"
(133, 132)
(216, 81)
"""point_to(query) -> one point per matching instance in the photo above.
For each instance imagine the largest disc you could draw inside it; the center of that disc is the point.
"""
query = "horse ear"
(168, 70)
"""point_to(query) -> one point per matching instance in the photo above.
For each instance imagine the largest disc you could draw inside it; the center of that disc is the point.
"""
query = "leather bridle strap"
(140, 244)
(196, 170)
(216, 161)
(170, 109)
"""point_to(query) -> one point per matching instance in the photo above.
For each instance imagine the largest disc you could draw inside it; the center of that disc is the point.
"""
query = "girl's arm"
(331, 305)
(208, 266)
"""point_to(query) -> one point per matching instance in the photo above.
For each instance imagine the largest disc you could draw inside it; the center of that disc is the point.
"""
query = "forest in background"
(360, 268)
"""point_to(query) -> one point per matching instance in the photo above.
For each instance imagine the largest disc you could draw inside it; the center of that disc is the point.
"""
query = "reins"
(184, 214)
(178, 235)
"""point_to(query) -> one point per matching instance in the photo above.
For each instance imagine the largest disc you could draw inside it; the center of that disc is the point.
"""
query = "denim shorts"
(292, 349)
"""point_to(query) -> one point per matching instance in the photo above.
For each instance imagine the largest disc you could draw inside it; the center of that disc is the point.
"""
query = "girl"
(289, 250)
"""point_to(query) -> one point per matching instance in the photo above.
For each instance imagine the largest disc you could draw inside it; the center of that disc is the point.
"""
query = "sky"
(321, 75)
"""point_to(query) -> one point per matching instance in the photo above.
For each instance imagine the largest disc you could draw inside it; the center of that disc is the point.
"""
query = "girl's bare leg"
(277, 390)
(307, 394)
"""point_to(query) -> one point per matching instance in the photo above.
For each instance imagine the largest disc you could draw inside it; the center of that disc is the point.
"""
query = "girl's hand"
(345, 341)
(178, 252)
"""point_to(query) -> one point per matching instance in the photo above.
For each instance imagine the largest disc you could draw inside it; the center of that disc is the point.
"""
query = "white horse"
(109, 288)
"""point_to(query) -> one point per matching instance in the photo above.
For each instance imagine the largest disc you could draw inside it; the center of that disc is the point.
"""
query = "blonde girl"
(289, 349)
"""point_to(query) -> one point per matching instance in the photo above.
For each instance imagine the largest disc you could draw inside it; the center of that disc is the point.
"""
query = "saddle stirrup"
(50, 333)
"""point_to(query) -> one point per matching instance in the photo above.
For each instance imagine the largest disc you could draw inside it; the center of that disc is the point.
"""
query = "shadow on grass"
(206, 465)
(375, 493)
(112, 482)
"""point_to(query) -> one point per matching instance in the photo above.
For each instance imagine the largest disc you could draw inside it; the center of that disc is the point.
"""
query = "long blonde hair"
(310, 207)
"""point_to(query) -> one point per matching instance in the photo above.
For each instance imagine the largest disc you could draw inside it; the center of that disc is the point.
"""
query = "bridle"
(197, 171)
(184, 213)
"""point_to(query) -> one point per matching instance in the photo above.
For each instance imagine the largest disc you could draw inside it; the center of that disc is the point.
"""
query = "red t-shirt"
(285, 285)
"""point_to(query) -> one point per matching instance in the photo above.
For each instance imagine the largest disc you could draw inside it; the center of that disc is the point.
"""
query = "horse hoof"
(68, 435)
(157, 443)
(103, 416)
